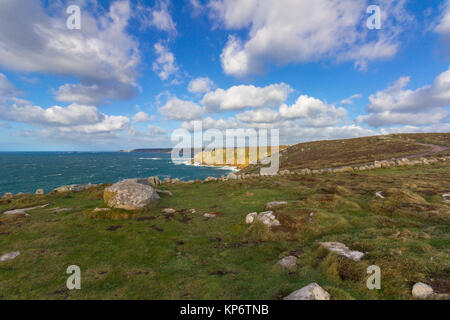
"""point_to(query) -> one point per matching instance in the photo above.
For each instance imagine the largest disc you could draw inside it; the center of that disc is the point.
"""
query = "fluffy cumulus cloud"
(286, 31)
(200, 85)
(158, 17)
(398, 105)
(165, 65)
(246, 96)
(443, 27)
(177, 109)
(141, 117)
(73, 118)
(102, 55)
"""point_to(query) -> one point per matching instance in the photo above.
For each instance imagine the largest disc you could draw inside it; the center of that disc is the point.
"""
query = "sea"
(28, 171)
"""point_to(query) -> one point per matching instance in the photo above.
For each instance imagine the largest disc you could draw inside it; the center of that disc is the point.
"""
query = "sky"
(125, 74)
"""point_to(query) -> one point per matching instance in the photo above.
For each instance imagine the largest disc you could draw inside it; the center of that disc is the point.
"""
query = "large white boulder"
(131, 194)
(311, 292)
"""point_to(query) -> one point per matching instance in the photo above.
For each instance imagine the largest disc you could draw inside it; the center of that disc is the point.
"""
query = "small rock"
(40, 192)
(74, 188)
(59, 210)
(232, 176)
(101, 210)
(23, 211)
(210, 215)
(311, 292)
(343, 250)
(8, 195)
(192, 211)
(250, 217)
(169, 211)
(379, 195)
(9, 256)
(289, 262)
(422, 291)
(446, 197)
(170, 194)
(268, 219)
(275, 204)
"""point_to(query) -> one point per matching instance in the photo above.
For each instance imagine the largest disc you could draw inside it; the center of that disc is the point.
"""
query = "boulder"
(446, 197)
(131, 194)
(275, 204)
(40, 191)
(268, 219)
(288, 263)
(250, 217)
(343, 250)
(8, 195)
(232, 176)
(101, 210)
(169, 211)
(170, 194)
(23, 211)
(422, 291)
(74, 188)
(9, 256)
(311, 292)
(210, 215)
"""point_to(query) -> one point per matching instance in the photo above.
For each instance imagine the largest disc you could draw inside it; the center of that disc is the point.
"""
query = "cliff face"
(236, 157)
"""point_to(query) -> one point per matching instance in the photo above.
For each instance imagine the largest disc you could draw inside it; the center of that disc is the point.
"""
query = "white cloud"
(200, 85)
(259, 116)
(350, 99)
(286, 31)
(155, 130)
(443, 26)
(142, 117)
(165, 64)
(210, 123)
(243, 96)
(73, 118)
(313, 112)
(158, 17)
(176, 109)
(102, 52)
(397, 105)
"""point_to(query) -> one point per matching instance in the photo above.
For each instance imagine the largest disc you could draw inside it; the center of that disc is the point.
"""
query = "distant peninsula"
(150, 150)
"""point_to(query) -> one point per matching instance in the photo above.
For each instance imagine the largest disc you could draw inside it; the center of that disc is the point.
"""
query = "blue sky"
(137, 70)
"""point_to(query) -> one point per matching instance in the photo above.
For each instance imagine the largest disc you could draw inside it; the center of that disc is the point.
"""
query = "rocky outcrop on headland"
(74, 188)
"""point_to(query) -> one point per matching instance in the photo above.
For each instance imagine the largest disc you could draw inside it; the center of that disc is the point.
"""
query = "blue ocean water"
(28, 171)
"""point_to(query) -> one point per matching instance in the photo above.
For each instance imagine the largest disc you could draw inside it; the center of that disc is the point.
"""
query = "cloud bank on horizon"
(137, 70)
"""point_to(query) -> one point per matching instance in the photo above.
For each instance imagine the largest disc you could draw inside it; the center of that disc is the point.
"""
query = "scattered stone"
(275, 204)
(23, 211)
(379, 195)
(422, 291)
(101, 210)
(169, 211)
(311, 215)
(74, 188)
(59, 210)
(343, 250)
(40, 192)
(170, 194)
(9, 256)
(288, 263)
(192, 211)
(311, 292)
(210, 215)
(232, 176)
(8, 195)
(131, 194)
(446, 197)
(250, 217)
(268, 219)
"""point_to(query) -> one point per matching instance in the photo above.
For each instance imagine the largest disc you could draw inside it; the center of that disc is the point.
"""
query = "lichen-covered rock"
(131, 194)
(311, 292)
(288, 263)
(422, 291)
(268, 219)
(8, 195)
(250, 217)
(275, 204)
(40, 191)
(343, 250)
(9, 256)
(74, 188)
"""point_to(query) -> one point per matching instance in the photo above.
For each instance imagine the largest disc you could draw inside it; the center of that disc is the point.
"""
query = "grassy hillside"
(151, 255)
(334, 153)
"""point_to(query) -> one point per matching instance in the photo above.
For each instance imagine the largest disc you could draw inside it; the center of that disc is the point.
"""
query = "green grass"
(149, 255)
